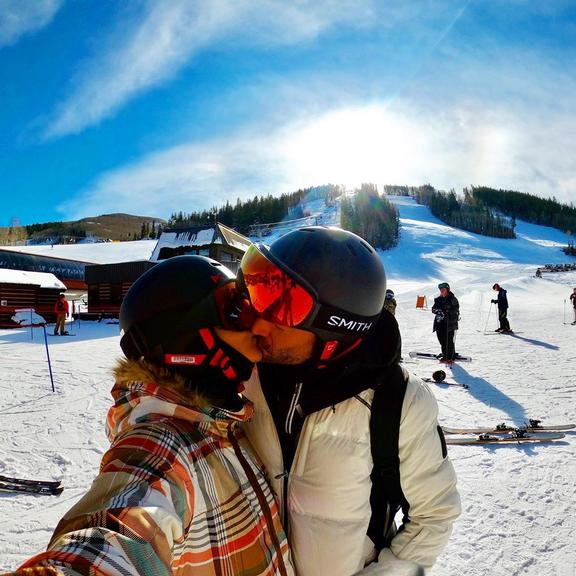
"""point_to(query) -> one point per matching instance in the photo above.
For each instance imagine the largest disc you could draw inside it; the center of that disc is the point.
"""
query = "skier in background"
(390, 302)
(502, 302)
(61, 311)
(573, 299)
(180, 490)
(446, 310)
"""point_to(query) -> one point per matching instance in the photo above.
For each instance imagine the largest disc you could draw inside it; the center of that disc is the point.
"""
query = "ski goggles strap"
(275, 295)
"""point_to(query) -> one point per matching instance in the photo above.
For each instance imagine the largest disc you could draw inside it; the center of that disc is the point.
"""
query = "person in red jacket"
(61, 310)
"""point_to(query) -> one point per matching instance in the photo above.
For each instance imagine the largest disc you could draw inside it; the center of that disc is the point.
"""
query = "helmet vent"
(367, 246)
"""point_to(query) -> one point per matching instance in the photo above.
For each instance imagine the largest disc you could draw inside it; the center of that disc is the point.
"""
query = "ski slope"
(519, 501)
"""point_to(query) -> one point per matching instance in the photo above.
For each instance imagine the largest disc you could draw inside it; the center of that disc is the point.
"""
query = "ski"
(449, 383)
(27, 489)
(530, 426)
(70, 334)
(512, 332)
(430, 356)
(28, 482)
(518, 436)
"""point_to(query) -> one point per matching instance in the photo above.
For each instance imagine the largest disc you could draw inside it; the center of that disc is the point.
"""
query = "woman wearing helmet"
(180, 490)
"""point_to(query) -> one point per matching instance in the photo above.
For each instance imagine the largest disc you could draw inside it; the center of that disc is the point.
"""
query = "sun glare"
(354, 145)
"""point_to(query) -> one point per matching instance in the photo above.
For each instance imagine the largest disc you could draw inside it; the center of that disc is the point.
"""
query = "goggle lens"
(235, 310)
(275, 295)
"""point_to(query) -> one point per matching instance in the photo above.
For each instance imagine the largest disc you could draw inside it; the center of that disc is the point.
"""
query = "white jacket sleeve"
(427, 479)
(390, 565)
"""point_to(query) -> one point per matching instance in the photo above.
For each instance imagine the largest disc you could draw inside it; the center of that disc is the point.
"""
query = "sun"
(354, 145)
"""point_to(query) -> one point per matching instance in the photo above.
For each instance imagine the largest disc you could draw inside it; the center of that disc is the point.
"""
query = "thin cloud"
(397, 144)
(471, 114)
(21, 17)
(168, 34)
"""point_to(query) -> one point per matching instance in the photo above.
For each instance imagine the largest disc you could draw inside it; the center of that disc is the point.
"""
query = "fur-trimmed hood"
(145, 392)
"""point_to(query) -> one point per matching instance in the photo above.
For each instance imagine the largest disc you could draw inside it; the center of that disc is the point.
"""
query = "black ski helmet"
(439, 376)
(341, 271)
(168, 314)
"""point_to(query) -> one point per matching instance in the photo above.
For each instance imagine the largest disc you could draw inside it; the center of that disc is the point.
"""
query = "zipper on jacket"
(261, 499)
(294, 406)
(292, 409)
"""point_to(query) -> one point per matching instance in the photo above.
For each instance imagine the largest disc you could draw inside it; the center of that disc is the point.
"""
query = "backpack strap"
(386, 496)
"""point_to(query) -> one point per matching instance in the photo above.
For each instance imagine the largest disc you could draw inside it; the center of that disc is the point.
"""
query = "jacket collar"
(144, 392)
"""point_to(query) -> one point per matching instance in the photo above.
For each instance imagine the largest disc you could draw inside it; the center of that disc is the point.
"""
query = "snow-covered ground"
(519, 501)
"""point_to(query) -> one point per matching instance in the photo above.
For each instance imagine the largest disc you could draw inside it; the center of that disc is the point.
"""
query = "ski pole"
(48, 357)
(488, 317)
(564, 313)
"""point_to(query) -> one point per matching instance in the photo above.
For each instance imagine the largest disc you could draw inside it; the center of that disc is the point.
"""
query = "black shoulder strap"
(386, 496)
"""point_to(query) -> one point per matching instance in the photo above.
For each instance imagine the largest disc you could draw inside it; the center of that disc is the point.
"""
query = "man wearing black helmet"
(329, 397)
(180, 491)
(446, 310)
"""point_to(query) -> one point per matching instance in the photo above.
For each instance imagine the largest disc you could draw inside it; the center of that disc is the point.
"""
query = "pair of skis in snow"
(443, 381)
(531, 432)
(26, 486)
(438, 358)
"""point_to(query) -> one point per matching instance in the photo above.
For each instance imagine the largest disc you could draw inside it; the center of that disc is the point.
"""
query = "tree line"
(371, 216)
(258, 210)
(543, 211)
(465, 212)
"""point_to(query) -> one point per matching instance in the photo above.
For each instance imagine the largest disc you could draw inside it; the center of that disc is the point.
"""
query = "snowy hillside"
(519, 501)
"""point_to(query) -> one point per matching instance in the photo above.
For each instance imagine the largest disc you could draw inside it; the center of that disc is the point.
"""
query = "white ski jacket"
(329, 482)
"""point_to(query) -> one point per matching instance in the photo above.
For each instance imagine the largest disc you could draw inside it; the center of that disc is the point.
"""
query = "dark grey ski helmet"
(340, 271)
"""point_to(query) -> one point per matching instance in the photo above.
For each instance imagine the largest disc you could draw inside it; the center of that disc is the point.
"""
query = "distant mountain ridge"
(116, 227)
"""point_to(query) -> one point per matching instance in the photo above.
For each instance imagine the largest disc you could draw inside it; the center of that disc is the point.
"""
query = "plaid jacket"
(180, 492)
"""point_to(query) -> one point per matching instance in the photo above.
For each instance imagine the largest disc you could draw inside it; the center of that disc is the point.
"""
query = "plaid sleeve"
(128, 522)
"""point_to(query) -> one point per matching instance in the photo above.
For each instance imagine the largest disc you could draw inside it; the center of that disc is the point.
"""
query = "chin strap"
(216, 356)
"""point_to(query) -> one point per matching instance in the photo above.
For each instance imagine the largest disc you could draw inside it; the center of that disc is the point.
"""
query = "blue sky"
(155, 106)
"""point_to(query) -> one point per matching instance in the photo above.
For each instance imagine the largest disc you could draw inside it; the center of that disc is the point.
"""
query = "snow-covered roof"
(42, 279)
(199, 236)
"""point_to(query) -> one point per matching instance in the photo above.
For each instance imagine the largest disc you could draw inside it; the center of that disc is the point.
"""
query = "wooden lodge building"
(108, 283)
(216, 241)
(31, 290)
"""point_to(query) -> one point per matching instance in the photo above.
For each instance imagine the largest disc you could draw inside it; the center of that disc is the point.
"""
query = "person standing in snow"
(329, 377)
(446, 310)
(573, 299)
(390, 302)
(61, 311)
(502, 302)
(180, 491)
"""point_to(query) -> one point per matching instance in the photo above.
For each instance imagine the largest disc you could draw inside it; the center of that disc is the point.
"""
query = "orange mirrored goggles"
(275, 296)
(234, 308)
